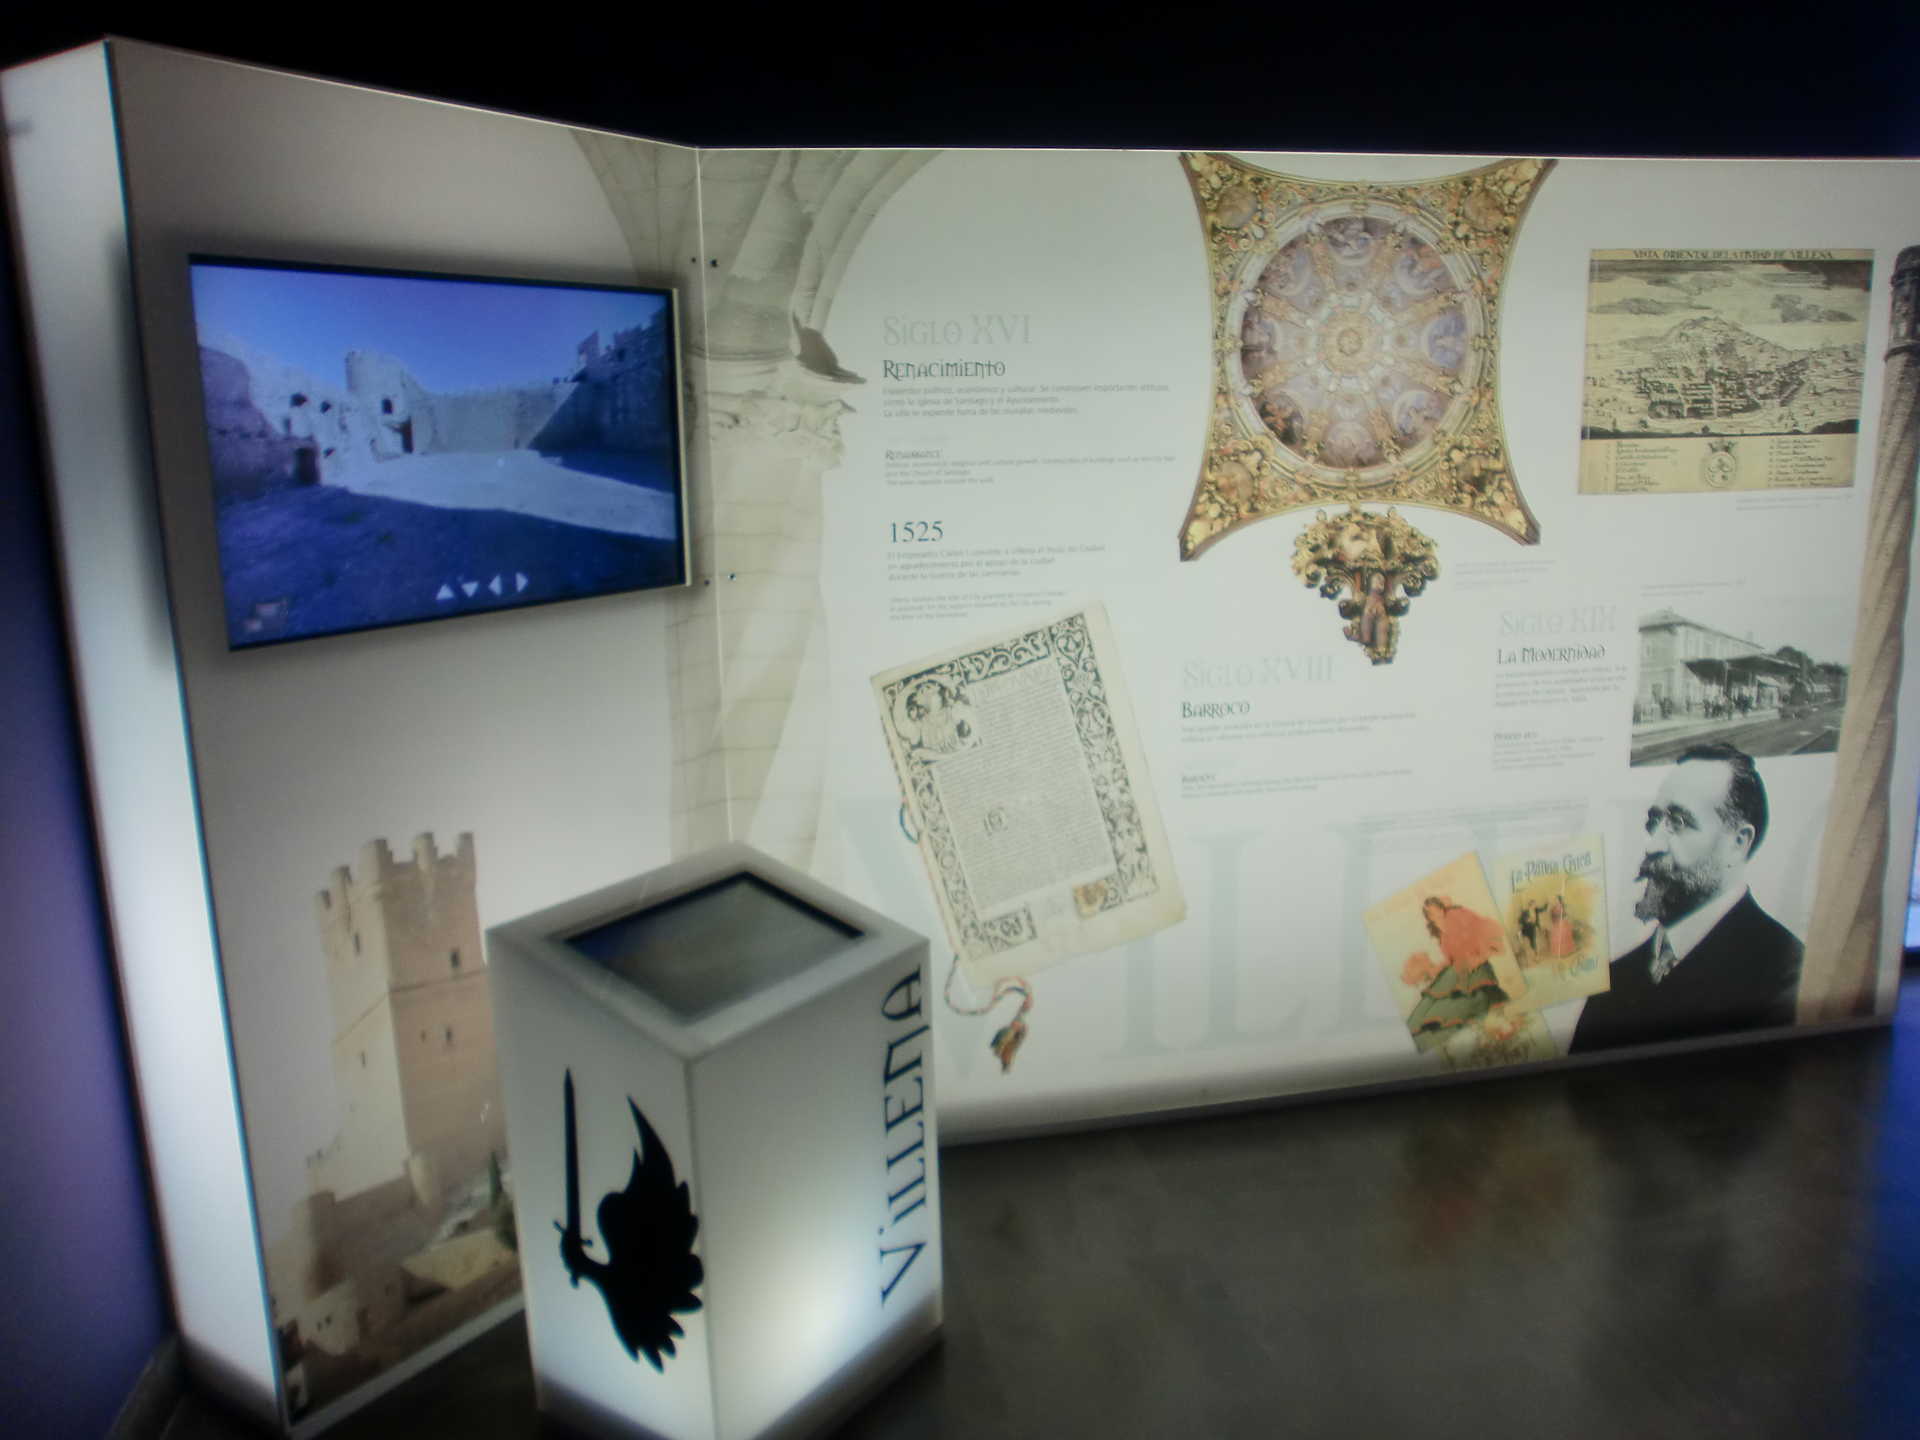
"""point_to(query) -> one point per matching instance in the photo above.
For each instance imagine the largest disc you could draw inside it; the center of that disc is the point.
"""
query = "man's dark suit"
(1743, 975)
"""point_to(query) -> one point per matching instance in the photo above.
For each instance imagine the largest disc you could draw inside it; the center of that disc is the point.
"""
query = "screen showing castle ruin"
(389, 447)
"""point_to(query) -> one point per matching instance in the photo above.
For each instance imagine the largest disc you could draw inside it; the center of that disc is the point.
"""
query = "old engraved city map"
(1723, 369)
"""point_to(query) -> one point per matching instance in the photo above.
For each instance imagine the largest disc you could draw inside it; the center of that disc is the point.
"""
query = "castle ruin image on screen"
(386, 448)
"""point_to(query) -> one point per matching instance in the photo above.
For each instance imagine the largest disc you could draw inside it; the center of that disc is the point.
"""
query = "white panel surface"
(1064, 476)
(230, 786)
(542, 732)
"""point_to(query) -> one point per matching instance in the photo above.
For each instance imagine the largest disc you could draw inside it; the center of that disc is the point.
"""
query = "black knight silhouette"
(650, 1271)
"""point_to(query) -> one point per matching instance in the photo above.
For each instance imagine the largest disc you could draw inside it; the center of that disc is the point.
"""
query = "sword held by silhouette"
(573, 1244)
(649, 1228)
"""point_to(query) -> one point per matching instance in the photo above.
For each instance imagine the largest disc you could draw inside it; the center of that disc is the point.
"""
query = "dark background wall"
(82, 1297)
(1707, 77)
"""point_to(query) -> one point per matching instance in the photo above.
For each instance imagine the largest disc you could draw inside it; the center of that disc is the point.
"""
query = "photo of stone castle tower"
(406, 1231)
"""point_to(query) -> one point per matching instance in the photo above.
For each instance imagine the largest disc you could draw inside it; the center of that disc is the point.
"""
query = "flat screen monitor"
(389, 447)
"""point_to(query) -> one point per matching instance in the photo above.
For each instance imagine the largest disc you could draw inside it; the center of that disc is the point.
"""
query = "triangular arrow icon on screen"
(470, 586)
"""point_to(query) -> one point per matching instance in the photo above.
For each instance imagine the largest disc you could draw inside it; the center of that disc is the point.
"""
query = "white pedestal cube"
(719, 1089)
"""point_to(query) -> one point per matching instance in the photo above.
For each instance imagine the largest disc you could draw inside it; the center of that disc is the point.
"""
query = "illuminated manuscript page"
(1022, 777)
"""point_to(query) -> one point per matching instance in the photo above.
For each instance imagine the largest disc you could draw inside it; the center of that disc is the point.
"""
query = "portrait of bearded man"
(1715, 961)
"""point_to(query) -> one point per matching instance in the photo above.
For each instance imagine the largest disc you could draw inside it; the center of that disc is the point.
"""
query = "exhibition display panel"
(1282, 622)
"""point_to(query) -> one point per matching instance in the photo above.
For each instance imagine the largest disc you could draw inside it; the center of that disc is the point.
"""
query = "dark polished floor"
(1726, 1243)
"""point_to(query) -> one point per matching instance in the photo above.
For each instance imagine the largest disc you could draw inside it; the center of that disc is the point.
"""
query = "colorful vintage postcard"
(1453, 972)
(1723, 369)
(1553, 902)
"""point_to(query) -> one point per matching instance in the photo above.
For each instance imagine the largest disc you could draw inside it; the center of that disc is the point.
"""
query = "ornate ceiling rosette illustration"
(1355, 344)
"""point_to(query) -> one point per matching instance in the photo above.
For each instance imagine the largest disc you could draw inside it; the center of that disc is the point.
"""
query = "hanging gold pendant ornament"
(1355, 350)
(1375, 566)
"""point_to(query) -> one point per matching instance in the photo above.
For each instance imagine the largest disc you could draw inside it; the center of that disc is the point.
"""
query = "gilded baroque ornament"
(1355, 345)
(1374, 566)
